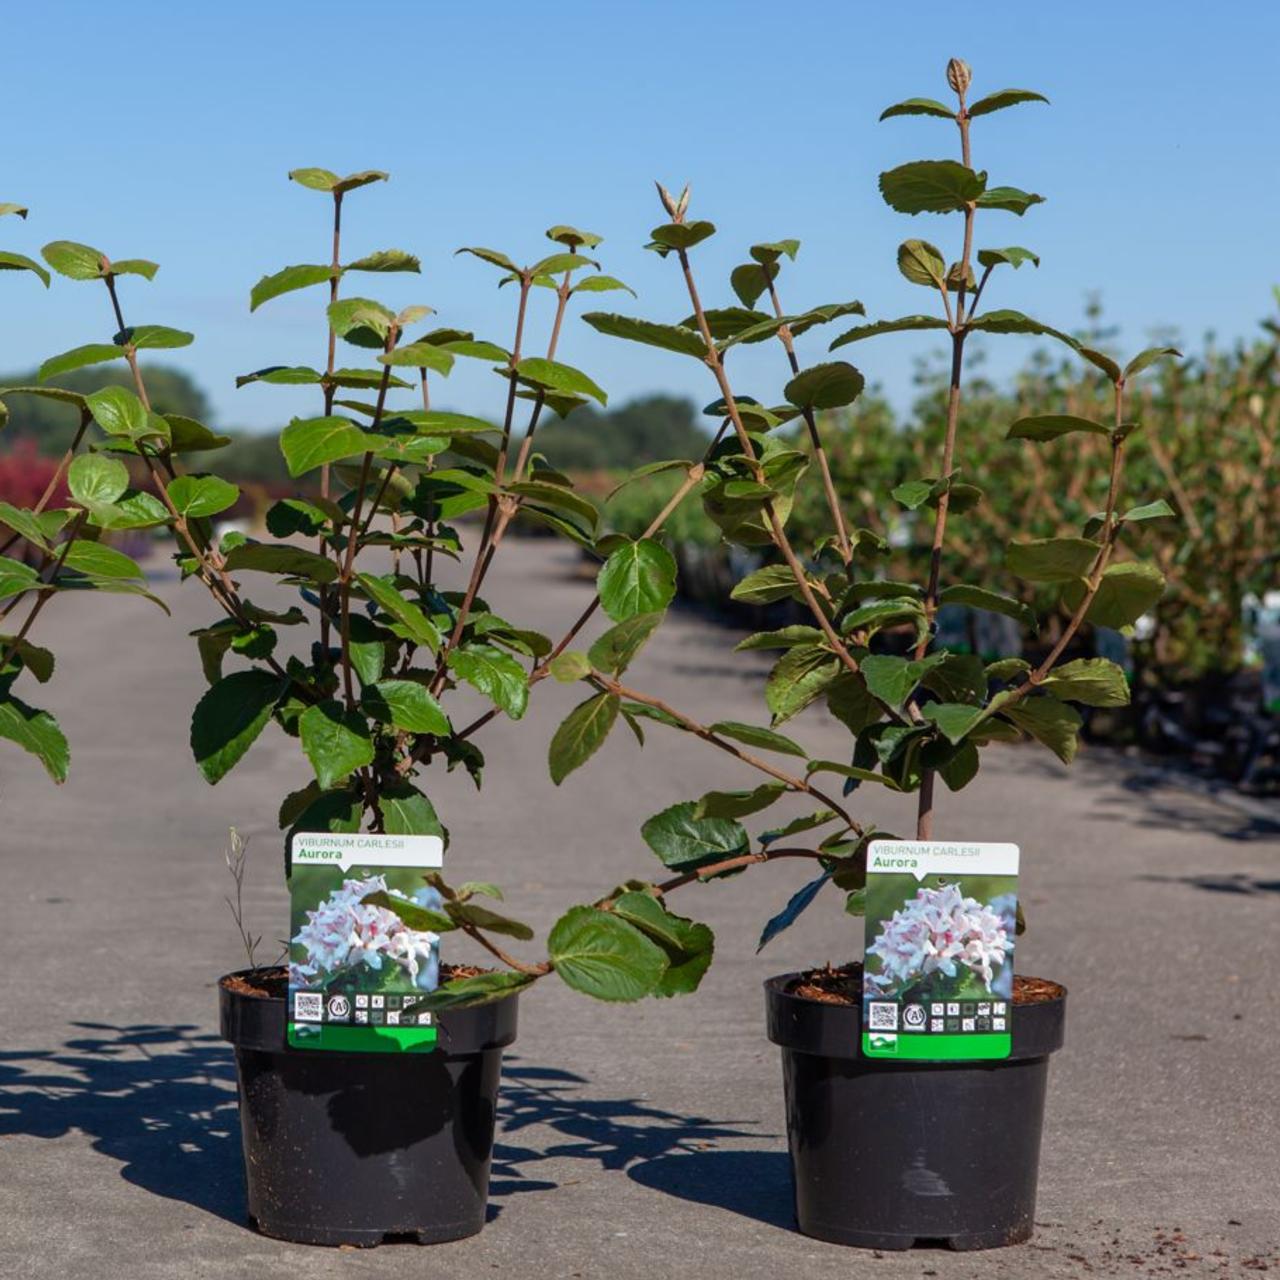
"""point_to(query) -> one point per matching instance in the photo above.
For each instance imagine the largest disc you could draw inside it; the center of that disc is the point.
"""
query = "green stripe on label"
(349, 1039)
(904, 1046)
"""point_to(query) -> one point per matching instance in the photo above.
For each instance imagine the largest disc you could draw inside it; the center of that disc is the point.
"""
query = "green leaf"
(78, 358)
(20, 262)
(495, 674)
(918, 107)
(230, 715)
(1013, 256)
(559, 496)
(751, 280)
(613, 651)
(491, 256)
(95, 478)
(581, 733)
(737, 804)
(286, 281)
(901, 325)
(1144, 360)
(891, 679)
(336, 741)
(28, 525)
(135, 267)
(118, 411)
(685, 843)
(198, 496)
(782, 638)
(752, 736)
(316, 179)
(462, 993)
(922, 264)
(601, 955)
(884, 613)
(682, 235)
(670, 337)
(849, 700)
(931, 186)
(572, 237)
(601, 284)
(408, 615)
(189, 436)
(1101, 361)
(961, 677)
(558, 377)
(1050, 722)
(689, 946)
(825, 386)
(39, 661)
(1006, 321)
(1126, 592)
(1053, 425)
(954, 719)
(1157, 510)
(407, 812)
(416, 917)
(1010, 199)
(407, 705)
(791, 912)
(1004, 98)
(385, 260)
(1051, 559)
(798, 677)
(154, 337)
(99, 561)
(36, 732)
(1094, 681)
(991, 602)
(569, 666)
(75, 261)
(308, 443)
(265, 557)
(763, 586)
(419, 355)
(639, 577)
(7, 207)
(361, 321)
(489, 921)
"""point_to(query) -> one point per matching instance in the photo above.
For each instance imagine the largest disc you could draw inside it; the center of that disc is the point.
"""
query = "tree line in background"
(1210, 447)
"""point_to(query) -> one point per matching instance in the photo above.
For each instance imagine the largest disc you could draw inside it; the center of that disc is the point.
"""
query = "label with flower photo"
(361, 950)
(937, 977)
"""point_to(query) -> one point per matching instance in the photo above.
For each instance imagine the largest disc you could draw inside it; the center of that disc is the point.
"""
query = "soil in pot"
(351, 1148)
(887, 1155)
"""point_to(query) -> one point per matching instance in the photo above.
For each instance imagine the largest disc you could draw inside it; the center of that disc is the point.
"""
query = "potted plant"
(887, 1153)
(357, 662)
(56, 544)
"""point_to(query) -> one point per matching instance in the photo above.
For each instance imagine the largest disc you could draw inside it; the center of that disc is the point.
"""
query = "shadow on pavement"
(1239, 884)
(613, 1133)
(755, 1184)
(159, 1099)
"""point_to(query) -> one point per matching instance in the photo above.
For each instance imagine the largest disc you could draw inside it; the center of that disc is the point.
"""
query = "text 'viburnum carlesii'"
(343, 932)
(940, 931)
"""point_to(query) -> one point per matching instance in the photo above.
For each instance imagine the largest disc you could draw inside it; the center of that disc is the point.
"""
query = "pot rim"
(806, 1025)
(257, 1022)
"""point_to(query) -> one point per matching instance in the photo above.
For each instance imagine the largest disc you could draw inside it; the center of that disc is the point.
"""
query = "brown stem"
(533, 970)
(815, 438)
(85, 418)
(46, 590)
(924, 808)
(708, 735)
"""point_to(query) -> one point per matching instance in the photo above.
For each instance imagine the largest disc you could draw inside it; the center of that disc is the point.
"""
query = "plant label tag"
(361, 950)
(937, 976)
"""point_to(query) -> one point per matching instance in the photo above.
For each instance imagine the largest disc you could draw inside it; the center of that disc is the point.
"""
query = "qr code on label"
(883, 1016)
(308, 1006)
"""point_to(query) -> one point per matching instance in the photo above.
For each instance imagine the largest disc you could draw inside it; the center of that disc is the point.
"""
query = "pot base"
(888, 1155)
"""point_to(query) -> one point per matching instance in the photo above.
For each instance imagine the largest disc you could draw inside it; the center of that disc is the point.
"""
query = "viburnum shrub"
(376, 644)
(866, 647)
(51, 540)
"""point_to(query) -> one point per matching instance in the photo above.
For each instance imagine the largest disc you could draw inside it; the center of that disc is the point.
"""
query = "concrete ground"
(641, 1140)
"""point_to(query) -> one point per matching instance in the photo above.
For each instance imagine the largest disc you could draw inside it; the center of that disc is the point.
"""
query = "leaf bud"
(959, 76)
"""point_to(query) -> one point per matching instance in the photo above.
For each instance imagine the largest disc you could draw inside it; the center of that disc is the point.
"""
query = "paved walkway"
(636, 1141)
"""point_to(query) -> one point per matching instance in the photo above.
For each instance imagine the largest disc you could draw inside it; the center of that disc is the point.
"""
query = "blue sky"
(166, 130)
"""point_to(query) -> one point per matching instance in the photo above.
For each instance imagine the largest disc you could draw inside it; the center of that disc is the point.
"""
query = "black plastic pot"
(352, 1148)
(886, 1155)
